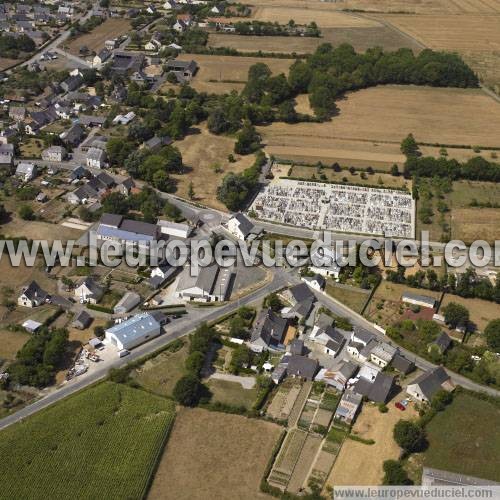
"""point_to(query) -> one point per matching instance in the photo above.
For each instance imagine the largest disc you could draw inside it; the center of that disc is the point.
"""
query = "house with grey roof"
(330, 338)
(133, 332)
(32, 296)
(382, 354)
(89, 291)
(241, 227)
(160, 274)
(316, 282)
(183, 70)
(26, 171)
(6, 154)
(424, 388)
(127, 303)
(442, 343)
(83, 195)
(74, 135)
(96, 158)
(301, 367)
(82, 320)
(401, 364)
(348, 407)
(377, 389)
(54, 153)
(268, 331)
(210, 285)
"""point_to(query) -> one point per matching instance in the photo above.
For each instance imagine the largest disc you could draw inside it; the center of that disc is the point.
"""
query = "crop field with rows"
(101, 443)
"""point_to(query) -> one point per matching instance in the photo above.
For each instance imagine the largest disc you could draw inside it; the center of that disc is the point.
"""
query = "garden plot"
(283, 402)
(345, 208)
(304, 463)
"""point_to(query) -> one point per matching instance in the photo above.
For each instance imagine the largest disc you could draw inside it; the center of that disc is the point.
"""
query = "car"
(400, 406)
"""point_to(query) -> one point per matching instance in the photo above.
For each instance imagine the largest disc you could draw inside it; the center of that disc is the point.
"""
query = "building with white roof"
(133, 332)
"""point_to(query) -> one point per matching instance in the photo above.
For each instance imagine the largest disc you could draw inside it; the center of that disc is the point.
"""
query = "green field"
(231, 393)
(101, 443)
(465, 438)
(352, 297)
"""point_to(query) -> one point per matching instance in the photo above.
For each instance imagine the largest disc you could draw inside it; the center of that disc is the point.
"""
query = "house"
(96, 158)
(92, 120)
(218, 9)
(299, 293)
(153, 45)
(160, 274)
(157, 142)
(126, 62)
(101, 57)
(6, 153)
(71, 83)
(401, 364)
(38, 119)
(127, 303)
(127, 186)
(83, 195)
(26, 171)
(78, 173)
(82, 320)
(185, 69)
(301, 367)
(382, 354)
(377, 389)
(74, 135)
(346, 373)
(324, 261)
(174, 229)
(124, 119)
(348, 407)
(279, 373)
(89, 291)
(180, 26)
(332, 340)
(31, 326)
(133, 332)
(32, 296)
(241, 227)
(63, 111)
(358, 343)
(418, 300)
(316, 282)
(111, 44)
(442, 343)
(268, 331)
(211, 284)
(425, 387)
(170, 5)
(116, 228)
(54, 153)
(296, 347)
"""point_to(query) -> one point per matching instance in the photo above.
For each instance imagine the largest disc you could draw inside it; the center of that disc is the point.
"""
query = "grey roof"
(303, 308)
(83, 319)
(438, 477)
(403, 365)
(245, 225)
(177, 65)
(297, 346)
(336, 341)
(92, 119)
(348, 370)
(301, 292)
(324, 320)
(85, 192)
(111, 219)
(443, 342)
(363, 335)
(303, 367)
(34, 291)
(139, 227)
(105, 179)
(74, 134)
(134, 328)
(127, 302)
(270, 327)
(316, 277)
(430, 382)
(94, 287)
(381, 388)
(95, 154)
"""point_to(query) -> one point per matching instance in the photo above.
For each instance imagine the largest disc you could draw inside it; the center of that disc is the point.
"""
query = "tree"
(455, 315)
(409, 435)
(163, 182)
(194, 362)
(191, 191)
(3, 213)
(188, 390)
(409, 146)
(118, 149)
(248, 140)
(273, 301)
(492, 333)
(395, 170)
(394, 474)
(241, 356)
(26, 212)
(115, 203)
(441, 400)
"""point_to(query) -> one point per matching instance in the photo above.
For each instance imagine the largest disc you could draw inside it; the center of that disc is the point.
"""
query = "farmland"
(201, 152)
(468, 447)
(221, 74)
(371, 124)
(94, 41)
(209, 456)
(111, 433)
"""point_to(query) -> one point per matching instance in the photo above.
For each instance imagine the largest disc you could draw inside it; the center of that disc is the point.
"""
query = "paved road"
(175, 330)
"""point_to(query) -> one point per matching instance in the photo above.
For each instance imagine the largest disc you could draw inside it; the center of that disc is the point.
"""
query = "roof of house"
(270, 327)
(296, 346)
(25, 168)
(301, 292)
(95, 154)
(324, 320)
(348, 370)
(443, 341)
(400, 363)
(176, 64)
(425, 299)
(430, 382)
(83, 318)
(113, 220)
(127, 302)
(134, 328)
(139, 227)
(93, 286)
(33, 291)
(384, 351)
(244, 224)
(317, 277)
(363, 335)
(300, 366)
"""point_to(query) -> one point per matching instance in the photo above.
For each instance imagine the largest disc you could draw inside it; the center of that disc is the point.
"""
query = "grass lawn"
(101, 443)
(465, 438)
(231, 393)
(31, 148)
(160, 374)
(353, 298)
(11, 342)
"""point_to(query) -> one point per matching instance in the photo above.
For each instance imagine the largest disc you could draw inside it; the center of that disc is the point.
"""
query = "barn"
(133, 332)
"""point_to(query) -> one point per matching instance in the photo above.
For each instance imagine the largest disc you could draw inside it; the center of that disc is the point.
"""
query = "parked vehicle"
(400, 406)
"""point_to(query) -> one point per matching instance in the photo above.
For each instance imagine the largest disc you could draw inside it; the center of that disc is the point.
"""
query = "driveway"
(245, 382)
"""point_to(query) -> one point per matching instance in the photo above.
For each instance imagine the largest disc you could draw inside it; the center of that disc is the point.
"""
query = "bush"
(382, 408)
(188, 390)
(394, 474)
(409, 435)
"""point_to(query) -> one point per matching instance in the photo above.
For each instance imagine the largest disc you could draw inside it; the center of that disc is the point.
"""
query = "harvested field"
(10, 343)
(221, 74)
(470, 224)
(321, 14)
(109, 29)
(359, 463)
(307, 456)
(112, 432)
(204, 444)
(7, 63)
(201, 151)
(354, 298)
(371, 124)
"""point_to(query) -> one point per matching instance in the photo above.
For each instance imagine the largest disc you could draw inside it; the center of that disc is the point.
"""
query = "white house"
(26, 171)
(240, 227)
(96, 158)
(324, 262)
(382, 354)
(101, 57)
(133, 332)
(317, 282)
(32, 296)
(418, 300)
(174, 229)
(89, 291)
(425, 387)
(210, 285)
(153, 45)
(124, 119)
(170, 5)
(54, 153)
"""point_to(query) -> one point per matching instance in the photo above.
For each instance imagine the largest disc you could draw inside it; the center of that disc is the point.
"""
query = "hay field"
(361, 464)
(208, 456)
(200, 152)
(371, 124)
(109, 29)
(221, 74)
(7, 63)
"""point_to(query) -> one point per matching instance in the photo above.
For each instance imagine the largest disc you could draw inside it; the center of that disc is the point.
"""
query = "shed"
(127, 303)
(31, 325)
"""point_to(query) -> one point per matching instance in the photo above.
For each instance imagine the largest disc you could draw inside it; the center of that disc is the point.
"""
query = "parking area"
(337, 207)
